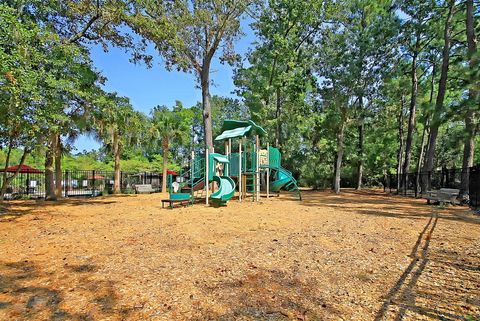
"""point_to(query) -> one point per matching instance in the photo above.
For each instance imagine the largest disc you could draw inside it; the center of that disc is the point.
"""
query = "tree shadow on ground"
(377, 203)
(13, 210)
(418, 292)
(266, 294)
(27, 293)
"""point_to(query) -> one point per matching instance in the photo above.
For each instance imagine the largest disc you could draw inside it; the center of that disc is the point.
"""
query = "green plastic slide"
(226, 189)
(282, 179)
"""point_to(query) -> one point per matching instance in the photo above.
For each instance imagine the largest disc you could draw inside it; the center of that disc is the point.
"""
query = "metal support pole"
(226, 169)
(65, 183)
(28, 181)
(257, 171)
(390, 182)
(192, 160)
(93, 182)
(206, 174)
(240, 170)
(416, 185)
(268, 170)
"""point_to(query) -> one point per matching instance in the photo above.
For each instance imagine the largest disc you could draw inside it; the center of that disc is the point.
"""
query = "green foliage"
(21, 69)
(187, 32)
(337, 64)
(131, 161)
(318, 70)
(113, 117)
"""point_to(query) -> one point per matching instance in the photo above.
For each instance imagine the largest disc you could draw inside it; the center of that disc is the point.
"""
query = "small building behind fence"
(30, 182)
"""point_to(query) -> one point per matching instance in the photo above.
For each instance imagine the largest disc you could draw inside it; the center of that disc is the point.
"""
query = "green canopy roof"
(240, 128)
(220, 158)
(232, 133)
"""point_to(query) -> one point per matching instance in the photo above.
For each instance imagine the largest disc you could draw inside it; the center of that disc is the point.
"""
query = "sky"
(148, 87)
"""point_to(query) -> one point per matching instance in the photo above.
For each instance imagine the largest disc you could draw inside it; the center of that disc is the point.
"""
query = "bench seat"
(443, 195)
(144, 188)
(171, 202)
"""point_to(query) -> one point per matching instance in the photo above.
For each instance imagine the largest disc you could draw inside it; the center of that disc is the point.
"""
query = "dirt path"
(357, 256)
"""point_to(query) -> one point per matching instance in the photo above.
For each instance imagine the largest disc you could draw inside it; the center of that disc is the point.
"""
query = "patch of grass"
(128, 191)
(25, 197)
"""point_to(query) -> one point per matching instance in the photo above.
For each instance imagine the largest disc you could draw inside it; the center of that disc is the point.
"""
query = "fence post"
(429, 181)
(65, 183)
(416, 184)
(474, 185)
(28, 181)
(93, 182)
(442, 180)
(447, 178)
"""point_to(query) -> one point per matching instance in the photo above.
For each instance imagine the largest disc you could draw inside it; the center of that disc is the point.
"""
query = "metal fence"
(80, 183)
(474, 187)
(417, 184)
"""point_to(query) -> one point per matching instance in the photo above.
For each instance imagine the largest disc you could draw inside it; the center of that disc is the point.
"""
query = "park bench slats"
(443, 195)
(171, 202)
(144, 188)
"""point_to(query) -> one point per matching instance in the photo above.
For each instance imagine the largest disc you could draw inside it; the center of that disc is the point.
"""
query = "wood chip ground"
(354, 256)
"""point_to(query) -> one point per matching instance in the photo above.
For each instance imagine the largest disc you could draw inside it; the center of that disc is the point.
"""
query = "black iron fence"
(80, 183)
(474, 188)
(418, 184)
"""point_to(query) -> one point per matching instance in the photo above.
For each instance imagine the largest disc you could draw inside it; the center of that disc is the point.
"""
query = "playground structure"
(249, 172)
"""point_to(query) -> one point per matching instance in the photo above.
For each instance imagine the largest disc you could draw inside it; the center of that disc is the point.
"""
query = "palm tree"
(116, 124)
(166, 127)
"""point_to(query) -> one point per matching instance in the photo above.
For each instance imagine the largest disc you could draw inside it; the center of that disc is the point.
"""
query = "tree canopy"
(354, 89)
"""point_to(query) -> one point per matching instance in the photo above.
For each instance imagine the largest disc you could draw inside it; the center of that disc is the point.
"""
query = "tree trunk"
(340, 150)
(442, 88)
(8, 179)
(401, 146)
(361, 129)
(278, 128)
(207, 108)
(413, 105)
(165, 164)
(470, 124)
(58, 167)
(361, 139)
(420, 155)
(49, 168)
(422, 183)
(116, 153)
(468, 151)
(5, 174)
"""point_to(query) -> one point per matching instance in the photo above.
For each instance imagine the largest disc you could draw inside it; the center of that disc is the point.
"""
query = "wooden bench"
(144, 188)
(443, 195)
(172, 202)
(178, 198)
